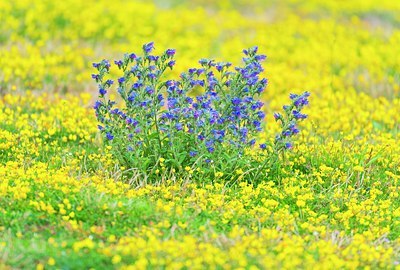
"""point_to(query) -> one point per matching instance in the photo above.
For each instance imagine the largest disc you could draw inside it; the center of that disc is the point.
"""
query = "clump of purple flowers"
(161, 119)
(292, 115)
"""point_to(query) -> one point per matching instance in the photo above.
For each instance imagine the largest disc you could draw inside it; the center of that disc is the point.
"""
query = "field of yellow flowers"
(334, 204)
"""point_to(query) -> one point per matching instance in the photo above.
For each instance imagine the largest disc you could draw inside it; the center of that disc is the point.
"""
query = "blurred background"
(312, 45)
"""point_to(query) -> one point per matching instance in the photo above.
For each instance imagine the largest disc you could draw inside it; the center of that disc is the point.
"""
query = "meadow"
(332, 203)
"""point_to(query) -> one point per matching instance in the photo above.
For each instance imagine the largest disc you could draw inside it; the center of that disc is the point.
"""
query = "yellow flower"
(116, 259)
(51, 261)
(358, 168)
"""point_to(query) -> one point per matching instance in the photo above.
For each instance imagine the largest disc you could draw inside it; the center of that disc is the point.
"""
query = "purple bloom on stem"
(119, 63)
(219, 66)
(297, 115)
(106, 64)
(97, 105)
(236, 101)
(151, 76)
(121, 80)
(109, 136)
(287, 133)
(178, 126)
(152, 58)
(189, 100)
(170, 52)
(261, 114)
(171, 63)
(147, 48)
(132, 97)
(102, 91)
(260, 57)
(149, 90)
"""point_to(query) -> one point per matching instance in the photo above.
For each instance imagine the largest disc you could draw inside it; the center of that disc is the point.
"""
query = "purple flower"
(170, 52)
(189, 100)
(152, 58)
(286, 133)
(106, 64)
(119, 63)
(209, 143)
(172, 102)
(171, 63)
(102, 91)
(137, 85)
(151, 76)
(297, 115)
(170, 83)
(132, 97)
(252, 51)
(288, 145)
(206, 62)
(277, 116)
(236, 101)
(211, 149)
(260, 57)
(97, 105)
(263, 146)
(109, 136)
(96, 77)
(149, 90)
(178, 126)
(244, 131)
(168, 115)
(261, 114)
(257, 105)
(121, 80)
(219, 66)
(147, 48)
(295, 131)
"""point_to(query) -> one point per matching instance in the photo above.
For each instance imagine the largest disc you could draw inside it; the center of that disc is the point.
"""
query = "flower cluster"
(161, 119)
(289, 120)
